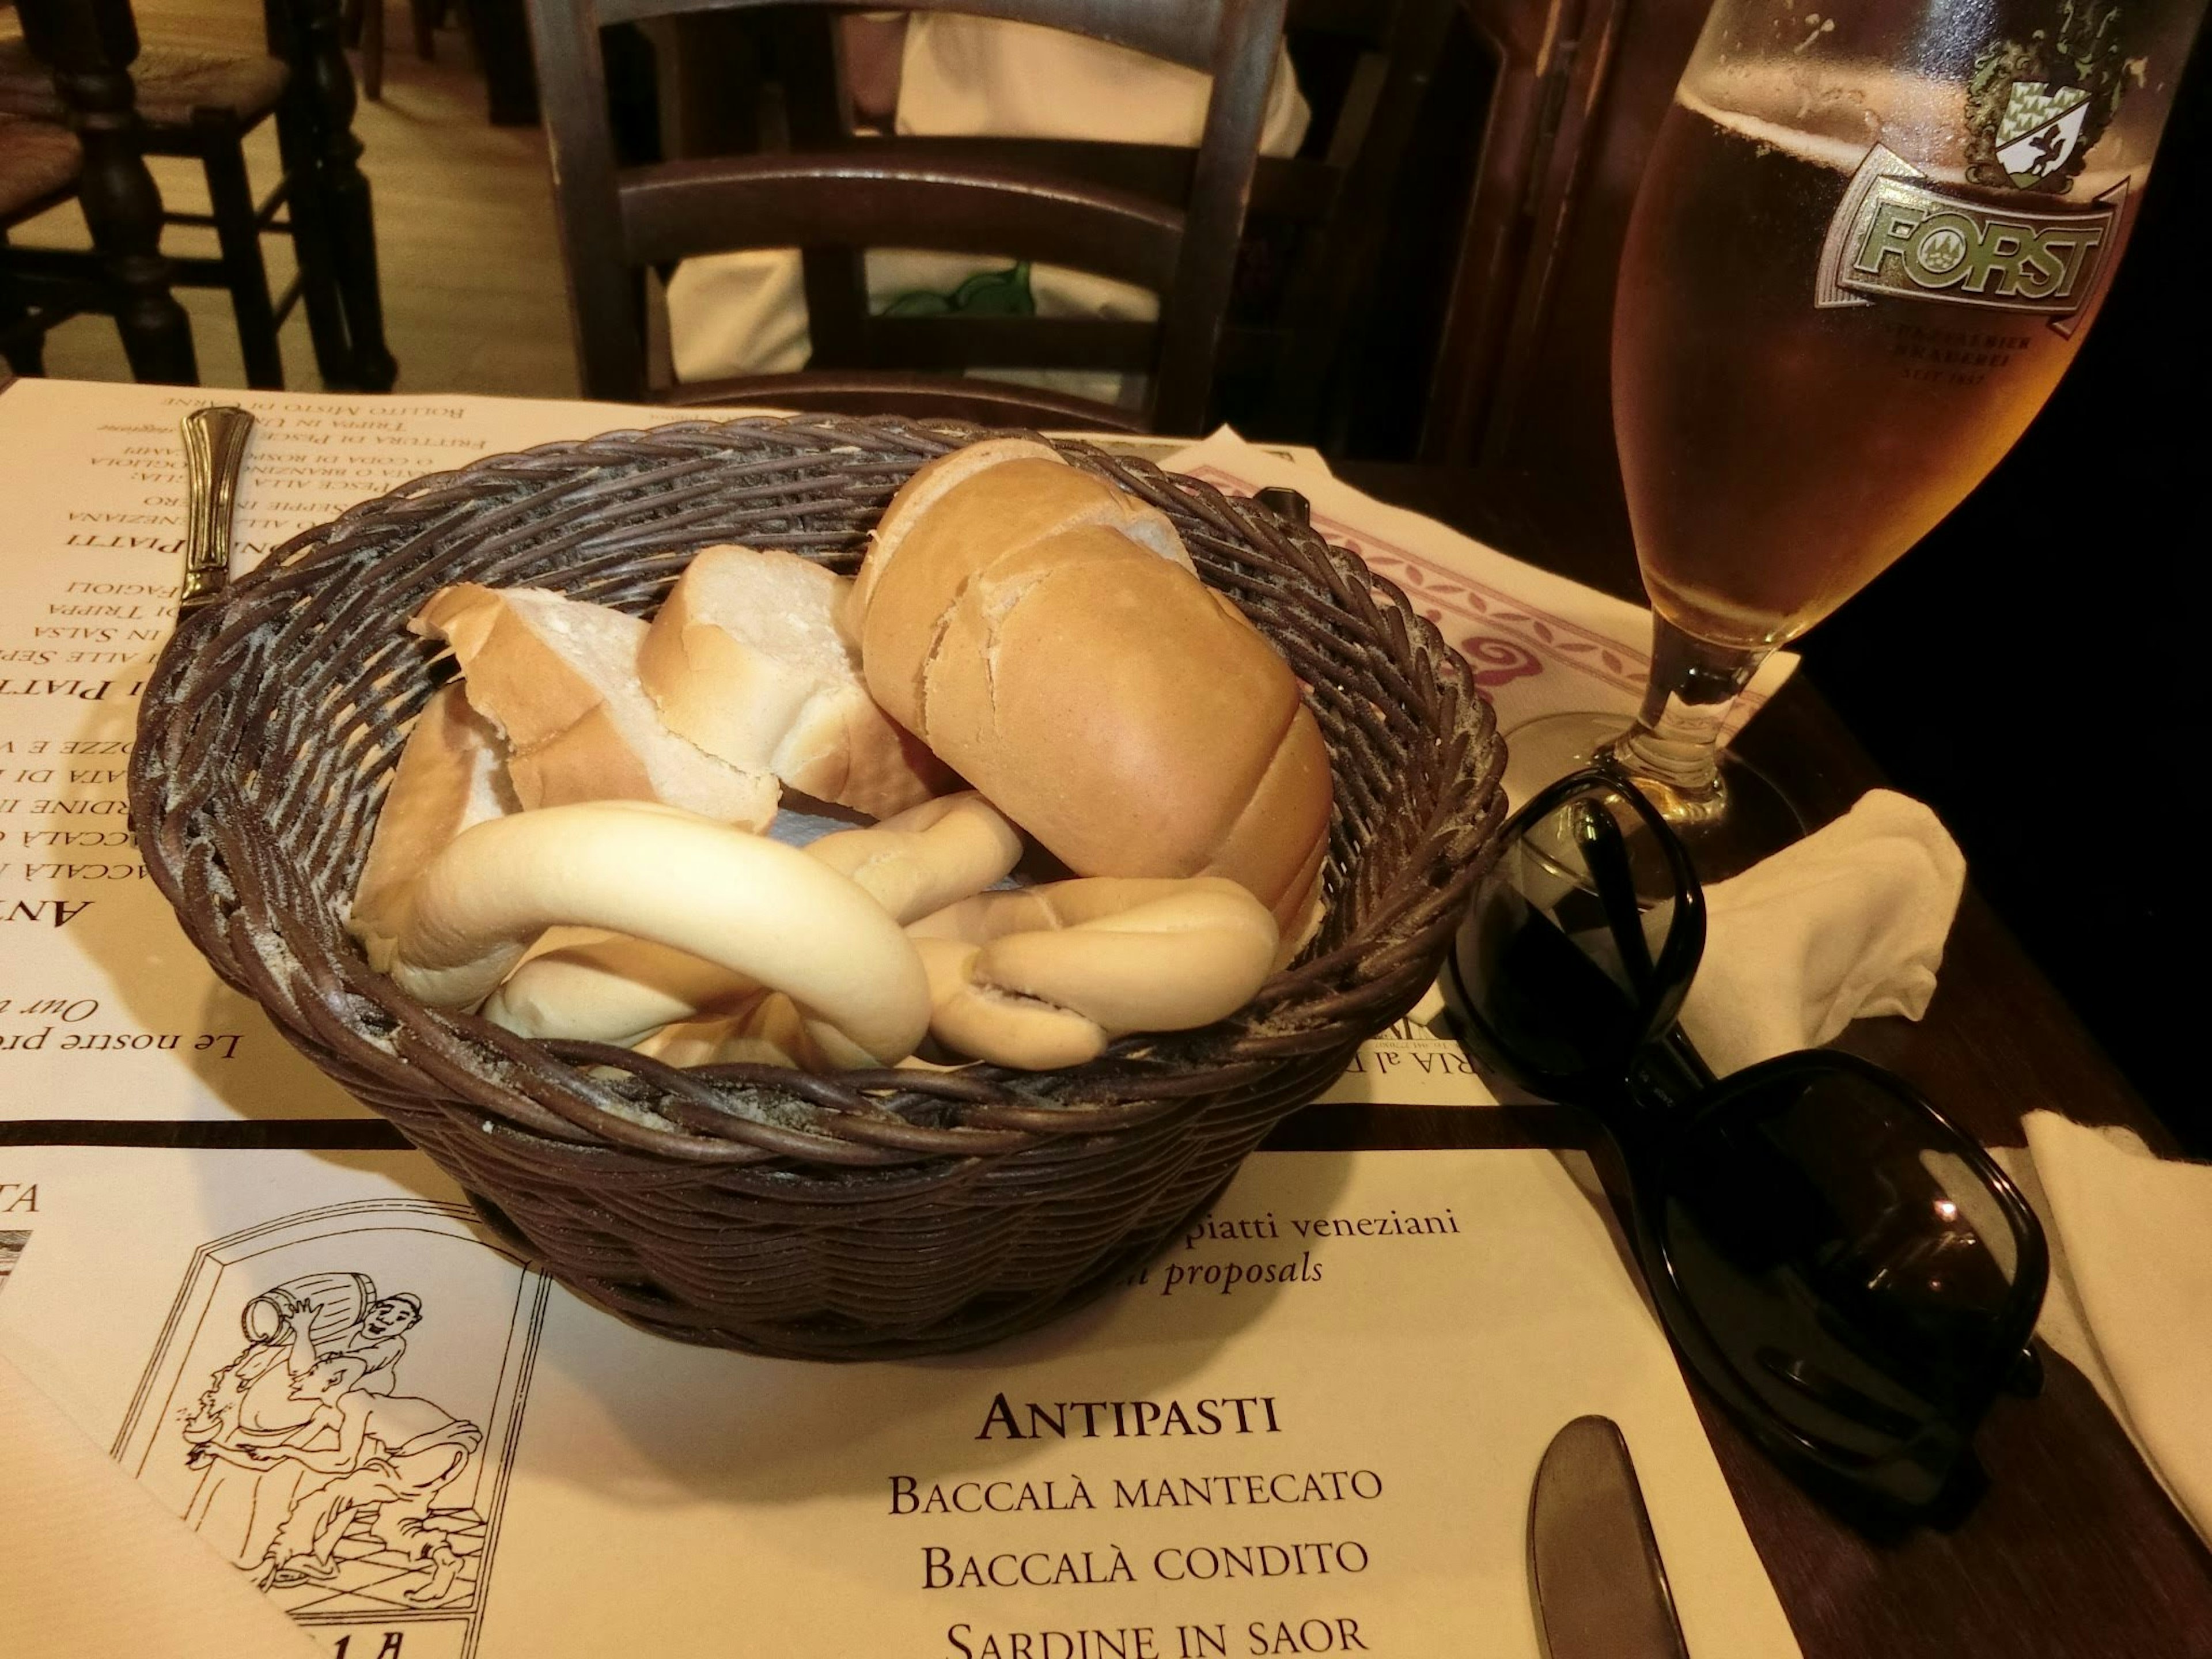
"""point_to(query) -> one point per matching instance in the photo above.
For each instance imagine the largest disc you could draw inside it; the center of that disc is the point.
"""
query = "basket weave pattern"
(852, 1215)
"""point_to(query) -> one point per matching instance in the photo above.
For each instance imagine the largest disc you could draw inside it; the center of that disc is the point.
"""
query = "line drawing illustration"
(334, 1403)
(13, 1242)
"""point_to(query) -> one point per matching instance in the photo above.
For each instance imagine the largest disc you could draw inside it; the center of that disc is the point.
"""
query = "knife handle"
(215, 452)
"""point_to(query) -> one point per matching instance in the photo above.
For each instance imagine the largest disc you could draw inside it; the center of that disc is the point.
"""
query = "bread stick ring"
(611, 989)
(752, 907)
(620, 990)
(925, 858)
(1048, 977)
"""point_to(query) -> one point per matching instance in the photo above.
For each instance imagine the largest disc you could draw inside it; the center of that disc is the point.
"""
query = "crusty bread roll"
(1020, 499)
(1046, 977)
(748, 905)
(746, 658)
(450, 774)
(929, 482)
(559, 679)
(1116, 708)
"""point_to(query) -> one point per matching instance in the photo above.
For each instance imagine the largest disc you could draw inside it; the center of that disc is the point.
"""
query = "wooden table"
(2074, 1551)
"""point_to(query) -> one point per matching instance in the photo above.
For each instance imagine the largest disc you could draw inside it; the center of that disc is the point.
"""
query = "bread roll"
(559, 679)
(450, 774)
(1020, 501)
(930, 482)
(746, 658)
(1103, 697)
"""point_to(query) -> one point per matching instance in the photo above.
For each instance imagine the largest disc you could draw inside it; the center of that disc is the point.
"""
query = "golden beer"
(1820, 348)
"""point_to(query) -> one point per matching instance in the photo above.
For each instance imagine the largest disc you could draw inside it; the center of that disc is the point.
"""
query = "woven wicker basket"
(857, 1215)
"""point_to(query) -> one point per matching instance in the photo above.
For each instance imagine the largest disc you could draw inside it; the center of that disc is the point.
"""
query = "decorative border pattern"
(1531, 638)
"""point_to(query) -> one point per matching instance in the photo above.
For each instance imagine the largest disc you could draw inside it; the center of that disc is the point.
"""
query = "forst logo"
(1895, 236)
(1912, 235)
(2034, 109)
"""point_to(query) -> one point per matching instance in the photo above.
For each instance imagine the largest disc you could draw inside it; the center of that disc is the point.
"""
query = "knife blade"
(1594, 1568)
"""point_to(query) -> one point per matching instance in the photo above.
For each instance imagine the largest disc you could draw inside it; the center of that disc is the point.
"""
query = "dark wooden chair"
(364, 33)
(1166, 219)
(200, 105)
(39, 168)
(124, 275)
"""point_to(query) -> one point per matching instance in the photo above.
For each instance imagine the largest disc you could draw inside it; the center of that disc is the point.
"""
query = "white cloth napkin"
(2131, 1240)
(93, 1566)
(1848, 922)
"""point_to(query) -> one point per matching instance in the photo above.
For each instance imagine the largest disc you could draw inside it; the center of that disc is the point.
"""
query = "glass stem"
(1673, 748)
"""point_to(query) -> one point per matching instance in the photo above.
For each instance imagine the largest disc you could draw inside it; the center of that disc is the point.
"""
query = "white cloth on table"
(2130, 1298)
(1847, 923)
(745, 312)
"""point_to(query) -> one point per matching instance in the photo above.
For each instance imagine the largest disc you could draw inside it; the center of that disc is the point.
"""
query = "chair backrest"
(983, 198)
(1314, 226)
(1521, 387)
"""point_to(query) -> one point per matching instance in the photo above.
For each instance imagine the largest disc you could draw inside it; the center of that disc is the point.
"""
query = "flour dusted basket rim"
(851, 1215)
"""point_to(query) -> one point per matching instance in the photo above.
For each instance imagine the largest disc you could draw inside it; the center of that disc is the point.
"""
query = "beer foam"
(1831, 114)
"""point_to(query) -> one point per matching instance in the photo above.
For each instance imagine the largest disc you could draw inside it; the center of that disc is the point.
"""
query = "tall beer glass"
(1866, 247)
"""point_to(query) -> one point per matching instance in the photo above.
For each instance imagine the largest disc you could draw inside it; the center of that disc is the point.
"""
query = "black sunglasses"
(1853, 1278)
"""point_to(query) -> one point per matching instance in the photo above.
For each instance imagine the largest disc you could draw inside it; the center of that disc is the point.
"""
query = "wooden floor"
(471, 267)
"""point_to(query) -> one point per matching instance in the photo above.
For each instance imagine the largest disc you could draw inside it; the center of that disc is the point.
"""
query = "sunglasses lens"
(1848, 1261)
(1575, 949)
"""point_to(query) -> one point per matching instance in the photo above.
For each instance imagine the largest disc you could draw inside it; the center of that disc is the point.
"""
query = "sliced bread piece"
(450, 774)
(559, 679)
(746, 659)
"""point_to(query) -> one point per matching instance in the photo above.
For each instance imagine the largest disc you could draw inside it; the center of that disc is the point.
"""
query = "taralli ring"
(603, 987)
(927, 857)
(1047, 977)
(752, 907)
(620, 990)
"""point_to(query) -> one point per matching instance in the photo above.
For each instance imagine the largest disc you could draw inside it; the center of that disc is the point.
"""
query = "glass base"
(1747, 818)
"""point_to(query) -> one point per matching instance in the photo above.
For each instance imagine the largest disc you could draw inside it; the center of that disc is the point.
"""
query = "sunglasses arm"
(1669, 1073)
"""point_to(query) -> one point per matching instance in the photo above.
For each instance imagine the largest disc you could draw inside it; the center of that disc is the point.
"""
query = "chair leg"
(319, 289)
(22, 342)
(332, 223)
(239, 233)
(371, 50)
(121, 202)
(426, 15)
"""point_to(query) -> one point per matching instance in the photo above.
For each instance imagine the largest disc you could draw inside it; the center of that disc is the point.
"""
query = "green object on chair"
(986, 294)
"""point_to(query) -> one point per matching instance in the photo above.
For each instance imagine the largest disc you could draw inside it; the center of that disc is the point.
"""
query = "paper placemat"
(1311, 1428)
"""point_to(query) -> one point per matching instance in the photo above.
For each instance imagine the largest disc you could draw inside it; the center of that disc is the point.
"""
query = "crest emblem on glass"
(1865, 248)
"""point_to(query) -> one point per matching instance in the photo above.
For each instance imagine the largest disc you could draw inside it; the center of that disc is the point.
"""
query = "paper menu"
(1313, 1424)
(107, 1012)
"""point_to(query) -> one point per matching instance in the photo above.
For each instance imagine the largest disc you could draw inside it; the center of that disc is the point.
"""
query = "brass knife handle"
(214, 451)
